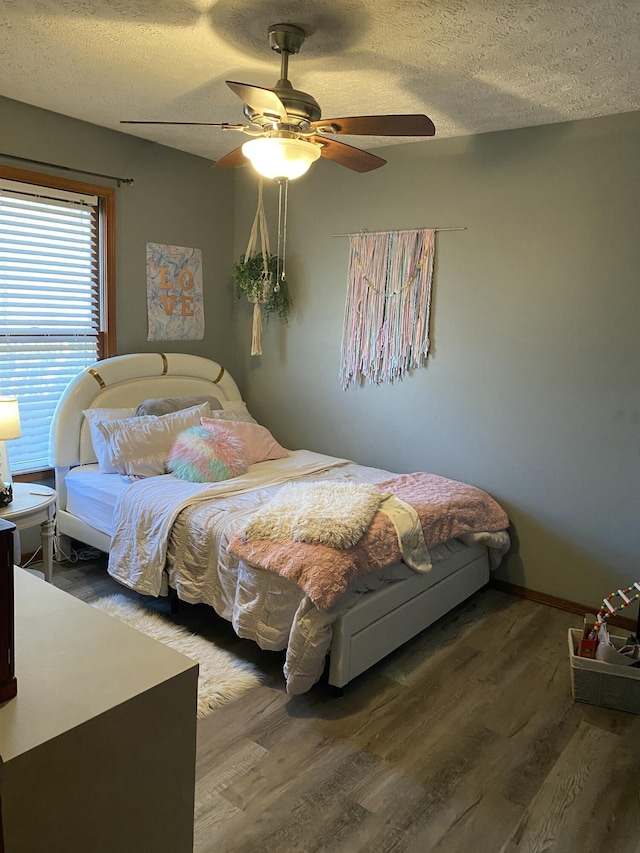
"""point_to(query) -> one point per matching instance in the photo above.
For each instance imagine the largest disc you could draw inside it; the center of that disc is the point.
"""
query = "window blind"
(49, 305)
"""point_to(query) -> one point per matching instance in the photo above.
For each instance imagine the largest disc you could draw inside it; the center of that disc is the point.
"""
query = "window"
(56, 296)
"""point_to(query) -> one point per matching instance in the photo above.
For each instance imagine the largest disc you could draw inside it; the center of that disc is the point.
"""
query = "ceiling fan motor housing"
(297, 104)
(300, 107)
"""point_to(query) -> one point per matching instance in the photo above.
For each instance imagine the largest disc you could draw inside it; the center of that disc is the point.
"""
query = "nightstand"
(33, 504)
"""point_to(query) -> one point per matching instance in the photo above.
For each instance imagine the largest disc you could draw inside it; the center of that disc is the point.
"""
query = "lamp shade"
(9, 418)
(281, 157)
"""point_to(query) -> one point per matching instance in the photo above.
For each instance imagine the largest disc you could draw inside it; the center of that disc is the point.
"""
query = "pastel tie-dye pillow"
(207, 455)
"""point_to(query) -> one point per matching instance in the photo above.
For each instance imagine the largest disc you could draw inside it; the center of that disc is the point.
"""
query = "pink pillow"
(259, 444)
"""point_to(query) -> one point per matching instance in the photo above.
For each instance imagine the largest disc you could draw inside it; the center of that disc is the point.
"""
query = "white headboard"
(126, 380)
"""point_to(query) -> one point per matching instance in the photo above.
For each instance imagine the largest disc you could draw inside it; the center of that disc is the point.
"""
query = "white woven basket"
(600, 683)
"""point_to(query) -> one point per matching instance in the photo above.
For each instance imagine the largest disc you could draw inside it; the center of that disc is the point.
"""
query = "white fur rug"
(222, 676)
(330, 512)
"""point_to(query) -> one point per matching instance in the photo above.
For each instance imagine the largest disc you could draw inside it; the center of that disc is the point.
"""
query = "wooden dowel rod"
(404, 231)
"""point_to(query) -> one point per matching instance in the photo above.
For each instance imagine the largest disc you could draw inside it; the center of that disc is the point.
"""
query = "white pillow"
(235, 406)
(233, 415)
(140, 447)
(93, 416)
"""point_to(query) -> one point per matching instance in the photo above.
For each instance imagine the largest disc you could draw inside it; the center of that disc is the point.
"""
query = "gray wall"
(532, 391)
(176, 198)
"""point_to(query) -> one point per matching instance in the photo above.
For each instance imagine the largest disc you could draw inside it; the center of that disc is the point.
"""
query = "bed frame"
(379, 623)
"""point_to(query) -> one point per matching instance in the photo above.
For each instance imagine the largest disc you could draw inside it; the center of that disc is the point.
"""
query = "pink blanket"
(447, 509)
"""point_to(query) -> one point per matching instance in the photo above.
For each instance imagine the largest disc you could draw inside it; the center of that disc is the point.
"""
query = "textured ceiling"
(471, 65)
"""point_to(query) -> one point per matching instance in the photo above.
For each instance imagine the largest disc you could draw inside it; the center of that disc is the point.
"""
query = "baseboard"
(560, 603)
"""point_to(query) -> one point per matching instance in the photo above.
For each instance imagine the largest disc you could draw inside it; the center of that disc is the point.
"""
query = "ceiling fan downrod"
(285, 39)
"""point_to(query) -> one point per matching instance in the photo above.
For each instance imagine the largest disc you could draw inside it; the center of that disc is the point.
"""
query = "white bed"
(378, 612)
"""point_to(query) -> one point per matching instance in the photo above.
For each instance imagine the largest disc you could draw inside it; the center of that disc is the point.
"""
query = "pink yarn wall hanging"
(387, 314)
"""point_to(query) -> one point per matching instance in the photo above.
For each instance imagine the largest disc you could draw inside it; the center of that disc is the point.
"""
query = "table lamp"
(9, 428)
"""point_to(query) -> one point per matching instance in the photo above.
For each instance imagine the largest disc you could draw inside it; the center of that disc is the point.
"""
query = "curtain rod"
(404, 231)
(69, 169)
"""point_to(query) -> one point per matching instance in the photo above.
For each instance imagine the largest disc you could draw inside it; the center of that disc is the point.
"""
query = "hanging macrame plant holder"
(260, 276)
(260, 294)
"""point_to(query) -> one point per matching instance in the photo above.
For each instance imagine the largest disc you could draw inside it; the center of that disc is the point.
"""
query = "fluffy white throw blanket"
(422, 511)
(330, 513)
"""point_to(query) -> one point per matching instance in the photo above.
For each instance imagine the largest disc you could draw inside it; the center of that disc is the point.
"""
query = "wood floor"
(467, 740)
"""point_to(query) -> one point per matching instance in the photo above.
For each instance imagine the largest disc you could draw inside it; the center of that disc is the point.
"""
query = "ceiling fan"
(288, 131)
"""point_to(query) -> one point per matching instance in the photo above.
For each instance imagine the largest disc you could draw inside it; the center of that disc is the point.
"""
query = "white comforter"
(170, 530)
(146, 511)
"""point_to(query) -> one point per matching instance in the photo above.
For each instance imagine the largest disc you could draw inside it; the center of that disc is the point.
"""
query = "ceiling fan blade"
(347, 155)
(393, 125)
(231, 160)
(223, 124)
(259, 99)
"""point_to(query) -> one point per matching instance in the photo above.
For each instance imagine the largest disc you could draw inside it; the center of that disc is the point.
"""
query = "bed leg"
(174, 601)
(61, 548)
(336, 692)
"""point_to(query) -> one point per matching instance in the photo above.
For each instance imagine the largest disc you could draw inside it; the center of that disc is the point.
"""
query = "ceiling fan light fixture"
(281, 157)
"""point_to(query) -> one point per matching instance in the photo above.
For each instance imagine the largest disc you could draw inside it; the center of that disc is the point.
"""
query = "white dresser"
(98, 747)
